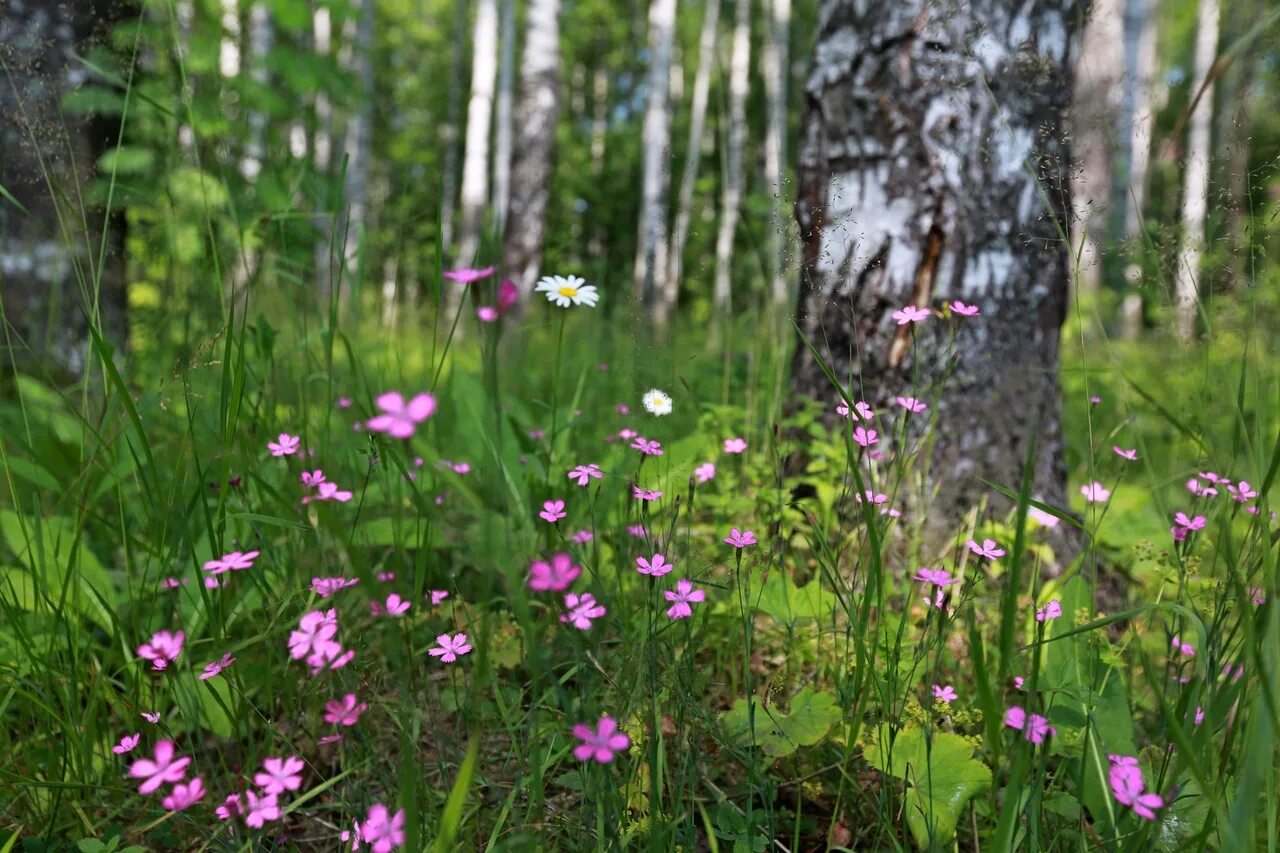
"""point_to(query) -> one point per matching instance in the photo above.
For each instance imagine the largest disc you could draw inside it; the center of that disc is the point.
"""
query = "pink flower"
(910, 314)
(601, 742)
(681, 597)
(584, 474)
(312, 478)
(344, 402)
(581, 609)
(325, 587)
(705, 472)
(487, 314)
(284, 445)
(735, 445)
(329, 656)
(127, 743)
(163, 648)
(150, 717)
(346, 712)
(261, 809)
(450, 648)
(1052, 610)
(655, 567)
(870, 497)
(639, 531)
(399, 419)
(1127, 786)
(944, 694)
(1197, 488)
(1042, 518)
(381, 830)
(163, 769)
(1182, 647)
(1181, 520)
(214, 669)
(508, 296)
(279, 775)
(958, 307)
(1131, 455)
(173, 583)
(911, 404)
(437, 596)
(935, 577)
(582, 537)
(552, 511)
(230, 808)
(858, 410)
(385, 577)
(235, 561)
(328, 739)
(865, 437)
(1033, 726)
(647, 447)
(644, 494)
(553, 576)
(1095, 492)
(396, 606)
(1199, 718)
(467, 275)
(328, 492)
(739, 539)
(1242, 491)
(989, 549)
(315, 631)
(183, 797)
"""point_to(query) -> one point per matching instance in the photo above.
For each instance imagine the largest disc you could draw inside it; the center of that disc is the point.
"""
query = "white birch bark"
(1140, 50)
(1095, 114)
(1195, 176)
(731, 198)
(775, 66)
(932, 166)
(534, 145)
(693, 150)
(502, 137)
(475, 164)
(261, 35)
(651, 249)
(229, 46)
(357, 144)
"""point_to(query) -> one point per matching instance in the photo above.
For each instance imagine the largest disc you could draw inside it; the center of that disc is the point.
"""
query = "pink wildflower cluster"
(1129, 788)
(315, 641)
(1034, 727)
(165, 767)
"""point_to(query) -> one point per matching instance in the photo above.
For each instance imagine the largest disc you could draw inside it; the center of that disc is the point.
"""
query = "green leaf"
(451, 818)
(788, 603)
(46, 547)
(811, 716)
(941, 774)
(126, 160)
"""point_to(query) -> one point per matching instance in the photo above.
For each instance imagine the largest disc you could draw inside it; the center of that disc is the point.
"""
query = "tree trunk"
(475, 164)
(1095, 112)
(503, 131)
(61, 257)
(651, 249)
(534, 149)
(693, 152)
(449, 130)
(776, 67)
(229, 47)
(322, 150)
(933, 136)
(731, 197)
(358, 144)
(261, 35)
(1195, 176)
(1140, 53)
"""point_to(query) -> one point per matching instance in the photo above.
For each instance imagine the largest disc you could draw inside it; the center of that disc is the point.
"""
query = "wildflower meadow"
(358, 522)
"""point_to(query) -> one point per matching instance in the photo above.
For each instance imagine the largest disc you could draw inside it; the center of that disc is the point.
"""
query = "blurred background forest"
(353, 148)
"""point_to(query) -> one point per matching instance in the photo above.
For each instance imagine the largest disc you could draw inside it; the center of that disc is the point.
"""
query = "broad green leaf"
(126, 160)
(46, 547)
(788, 603)
(941, 775)
(811, 716)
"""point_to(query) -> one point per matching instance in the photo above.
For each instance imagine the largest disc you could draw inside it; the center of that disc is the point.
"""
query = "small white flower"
(657, 403)
(565, 291)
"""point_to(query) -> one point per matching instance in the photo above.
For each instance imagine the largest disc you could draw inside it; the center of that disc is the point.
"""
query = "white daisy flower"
(568, 290)
(657, 403)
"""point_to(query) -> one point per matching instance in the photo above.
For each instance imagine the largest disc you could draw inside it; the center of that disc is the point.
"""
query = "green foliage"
(808, 719)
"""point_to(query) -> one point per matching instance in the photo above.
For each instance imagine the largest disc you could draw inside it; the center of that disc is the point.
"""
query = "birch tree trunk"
(693, 155)
(261, 35)
(449, 131)
(652, 248)
(1195, 176)
(731, 197)
(775, 65)
(475, 164)
(229, 46)
(322, 148)
(1140, 51)
(1095, 114)
(534, 147)
(932, 138)
(358, 143)
(503, 131)
(61, 258)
